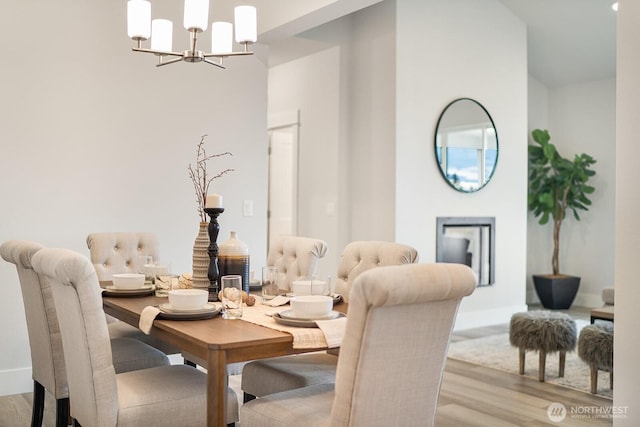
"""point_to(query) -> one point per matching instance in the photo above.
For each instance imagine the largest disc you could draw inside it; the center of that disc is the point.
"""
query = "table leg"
(217, 388)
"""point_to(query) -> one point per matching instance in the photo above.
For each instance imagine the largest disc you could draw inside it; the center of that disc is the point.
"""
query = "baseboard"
(476, 319)
(16, 381)
(582, 299)
(588, 300)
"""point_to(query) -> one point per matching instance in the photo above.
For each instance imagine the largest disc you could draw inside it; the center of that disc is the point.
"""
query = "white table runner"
(302, 337)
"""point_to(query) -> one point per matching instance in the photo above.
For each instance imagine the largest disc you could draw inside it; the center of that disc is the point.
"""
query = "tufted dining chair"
(397, 333)
(267, 376)
(47, 359)
(121, 252)
(296, 257)
(159, 396)
(113, 253)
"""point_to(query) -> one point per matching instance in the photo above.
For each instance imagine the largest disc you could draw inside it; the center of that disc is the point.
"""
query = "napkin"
(147, 317)
(333, 330)
(279, 300)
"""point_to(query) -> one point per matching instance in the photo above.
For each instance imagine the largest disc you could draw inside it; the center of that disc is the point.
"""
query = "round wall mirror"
(466, 145)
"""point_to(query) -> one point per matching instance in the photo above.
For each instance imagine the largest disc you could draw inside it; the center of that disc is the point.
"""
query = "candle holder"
(213, 273)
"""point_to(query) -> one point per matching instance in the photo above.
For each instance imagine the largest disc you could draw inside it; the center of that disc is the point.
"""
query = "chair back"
(360, 256)
(296, 257)
(114, 253)
(85, 338)
(47, 358)
(398, 329)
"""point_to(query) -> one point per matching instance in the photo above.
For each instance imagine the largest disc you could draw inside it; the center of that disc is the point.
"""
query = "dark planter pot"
(556, 292)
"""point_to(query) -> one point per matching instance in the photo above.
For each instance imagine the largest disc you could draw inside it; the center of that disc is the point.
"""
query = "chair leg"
(38, 404)
(541, 365)
(247, 397)
(521, 360)
(70, 420)
(611, 379)
(563, 358)
(594, 378)
(62, 412)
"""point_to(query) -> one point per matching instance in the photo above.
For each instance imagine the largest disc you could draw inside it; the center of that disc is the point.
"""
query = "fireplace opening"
(469, 241)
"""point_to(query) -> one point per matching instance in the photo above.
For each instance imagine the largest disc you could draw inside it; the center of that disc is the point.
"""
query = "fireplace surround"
(470, 241)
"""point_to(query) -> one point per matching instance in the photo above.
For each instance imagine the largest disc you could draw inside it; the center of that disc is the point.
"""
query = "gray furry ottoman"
(595, 347)
(545, 332)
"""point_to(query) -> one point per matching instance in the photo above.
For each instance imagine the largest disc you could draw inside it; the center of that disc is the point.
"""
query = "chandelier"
(140, 27)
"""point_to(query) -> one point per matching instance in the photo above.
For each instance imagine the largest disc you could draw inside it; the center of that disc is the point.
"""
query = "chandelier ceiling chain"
(140, 28)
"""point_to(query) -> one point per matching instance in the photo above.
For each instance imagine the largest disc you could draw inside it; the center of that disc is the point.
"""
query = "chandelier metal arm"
(157, 52)
(224, 55)
(214, 64)
(172, 61)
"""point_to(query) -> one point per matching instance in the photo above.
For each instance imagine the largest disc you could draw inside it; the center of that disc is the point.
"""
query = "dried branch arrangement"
(198, 174)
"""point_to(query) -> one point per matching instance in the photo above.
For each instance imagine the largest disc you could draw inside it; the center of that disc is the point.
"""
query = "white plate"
(298, 323)
(114, 289)
(167, 308)
(288, 314)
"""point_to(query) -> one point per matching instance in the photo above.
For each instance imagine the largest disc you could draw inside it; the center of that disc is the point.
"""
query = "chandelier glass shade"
(140, 28)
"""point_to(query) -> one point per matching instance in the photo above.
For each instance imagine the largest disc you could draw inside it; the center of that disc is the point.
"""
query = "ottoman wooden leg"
(594, 378)
(521, 359)
(563, 358)
(611, 379)
(542, 363)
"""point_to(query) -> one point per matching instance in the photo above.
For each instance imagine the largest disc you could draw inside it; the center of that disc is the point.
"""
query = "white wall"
(390, 116)
(95, 138)
(347, 135)
(581, 119)
(627, 209)
(484, 58)
(311, 84)
(539, 240)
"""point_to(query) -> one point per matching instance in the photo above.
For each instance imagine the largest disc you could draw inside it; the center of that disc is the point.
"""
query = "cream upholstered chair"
(121, 252)
(360, 256)
(47, 359)
(398, 329)
(160, 396)
(267, 376)
(296, 257)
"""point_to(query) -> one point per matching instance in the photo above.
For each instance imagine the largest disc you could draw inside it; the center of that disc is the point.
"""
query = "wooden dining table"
(217, 340)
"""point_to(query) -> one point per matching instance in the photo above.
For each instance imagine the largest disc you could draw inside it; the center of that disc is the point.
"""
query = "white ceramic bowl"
(311, 306)
(128, 280)
(188, 299)
(303, 287)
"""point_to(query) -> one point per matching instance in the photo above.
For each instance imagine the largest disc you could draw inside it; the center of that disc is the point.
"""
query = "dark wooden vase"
(556, 292)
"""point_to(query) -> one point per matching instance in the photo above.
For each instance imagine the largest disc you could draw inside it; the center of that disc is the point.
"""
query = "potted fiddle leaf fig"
(557, 186)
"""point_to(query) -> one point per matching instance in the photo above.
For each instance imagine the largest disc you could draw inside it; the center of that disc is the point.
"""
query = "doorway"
(282, 204)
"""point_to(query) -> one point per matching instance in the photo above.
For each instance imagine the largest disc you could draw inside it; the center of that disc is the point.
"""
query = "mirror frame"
(435, 145)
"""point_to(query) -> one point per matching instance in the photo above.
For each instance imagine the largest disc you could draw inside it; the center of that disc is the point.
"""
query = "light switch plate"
(247, 208)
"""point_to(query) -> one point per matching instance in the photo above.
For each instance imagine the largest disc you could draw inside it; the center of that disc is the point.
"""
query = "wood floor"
(471, 395)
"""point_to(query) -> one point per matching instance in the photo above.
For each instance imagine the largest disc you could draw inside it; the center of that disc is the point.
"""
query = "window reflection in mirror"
(466, 145)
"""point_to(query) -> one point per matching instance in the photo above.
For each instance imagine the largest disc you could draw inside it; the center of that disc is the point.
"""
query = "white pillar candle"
(213, 201)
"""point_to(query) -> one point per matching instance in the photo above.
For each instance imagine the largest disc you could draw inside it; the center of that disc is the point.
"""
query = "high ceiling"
(569, 41)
